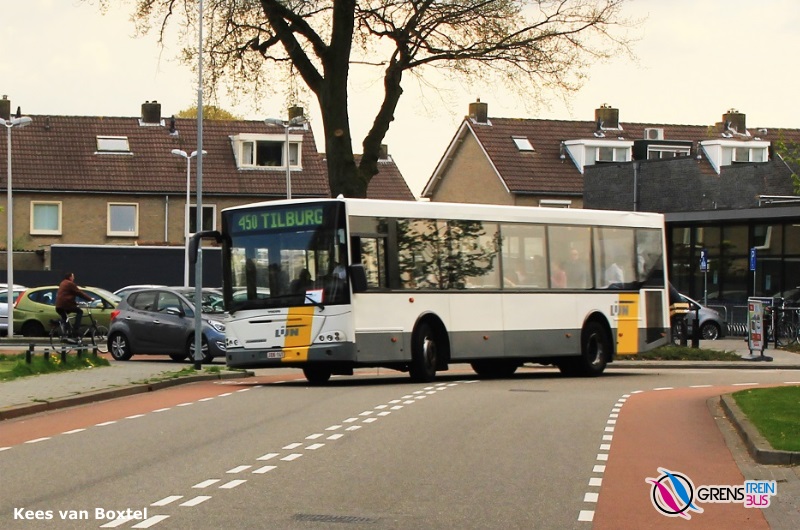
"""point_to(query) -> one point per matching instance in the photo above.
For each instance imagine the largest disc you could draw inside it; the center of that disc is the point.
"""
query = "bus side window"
(373, 257)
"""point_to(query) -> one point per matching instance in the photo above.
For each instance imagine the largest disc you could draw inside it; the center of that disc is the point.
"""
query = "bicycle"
(93, 335)
(786, 330)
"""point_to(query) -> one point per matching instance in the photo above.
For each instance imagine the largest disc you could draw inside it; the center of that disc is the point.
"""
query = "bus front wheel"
(316, 375)
(423, 354)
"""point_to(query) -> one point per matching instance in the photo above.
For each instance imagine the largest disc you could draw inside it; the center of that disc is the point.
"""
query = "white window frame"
(110, 232)
(750, 151)
(555, 203)
(113, 145)
(677, 151)
(523, 143)
(615, 152)
(240, 142)
(44, 231)
(193, 215)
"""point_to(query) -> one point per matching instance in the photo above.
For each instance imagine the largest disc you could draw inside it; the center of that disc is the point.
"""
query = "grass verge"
(775, 412)
(14, 366)
(681, 353)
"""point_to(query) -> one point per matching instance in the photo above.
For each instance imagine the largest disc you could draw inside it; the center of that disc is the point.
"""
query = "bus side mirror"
(194, 242)
(358, 277)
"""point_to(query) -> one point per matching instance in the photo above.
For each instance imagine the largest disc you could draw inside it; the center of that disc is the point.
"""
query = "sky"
(694, 60)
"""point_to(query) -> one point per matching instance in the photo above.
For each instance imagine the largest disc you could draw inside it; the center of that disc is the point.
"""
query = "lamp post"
(9, 124)
(188, 157)
(297, 120)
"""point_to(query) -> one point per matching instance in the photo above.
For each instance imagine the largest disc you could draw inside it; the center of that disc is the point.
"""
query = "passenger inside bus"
(303, 282)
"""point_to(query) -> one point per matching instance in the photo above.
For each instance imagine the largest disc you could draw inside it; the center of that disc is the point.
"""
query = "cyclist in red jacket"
(68, 291)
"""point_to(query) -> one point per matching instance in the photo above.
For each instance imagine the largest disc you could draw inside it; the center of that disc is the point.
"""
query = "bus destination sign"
(250, 221)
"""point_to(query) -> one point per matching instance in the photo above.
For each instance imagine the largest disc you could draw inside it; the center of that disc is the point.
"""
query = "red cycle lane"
(674, 430)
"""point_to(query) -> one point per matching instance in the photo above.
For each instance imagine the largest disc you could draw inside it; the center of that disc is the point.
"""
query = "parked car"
(36, 307)
(124, 291)
(16, 291)
(212, 300)
(160, 321)
(712, 323)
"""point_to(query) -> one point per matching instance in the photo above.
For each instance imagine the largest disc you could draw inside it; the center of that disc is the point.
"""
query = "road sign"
(753, 259)
(704, 260)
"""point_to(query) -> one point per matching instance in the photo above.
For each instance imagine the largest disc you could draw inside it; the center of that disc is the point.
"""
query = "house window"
(209, 218)
(522, 143)
(663, 151)
(748, 154)
(555, 203)
(268, 153)
(612, 154)
(123, 219)
(113, 144)
(45, 218)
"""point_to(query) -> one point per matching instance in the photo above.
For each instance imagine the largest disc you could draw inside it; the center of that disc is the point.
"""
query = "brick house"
(719, 186)
(96, 180)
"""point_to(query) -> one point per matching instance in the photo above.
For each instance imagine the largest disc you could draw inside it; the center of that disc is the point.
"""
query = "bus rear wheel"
(424, 355)
(317, 375)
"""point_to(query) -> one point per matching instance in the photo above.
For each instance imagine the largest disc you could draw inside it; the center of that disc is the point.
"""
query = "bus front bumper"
(341, 353)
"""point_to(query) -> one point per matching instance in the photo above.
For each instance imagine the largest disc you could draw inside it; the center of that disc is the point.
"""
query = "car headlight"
(217, 325)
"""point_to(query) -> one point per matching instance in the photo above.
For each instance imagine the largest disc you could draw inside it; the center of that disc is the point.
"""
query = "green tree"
(531, 46)
(210, 112)
(790, 153)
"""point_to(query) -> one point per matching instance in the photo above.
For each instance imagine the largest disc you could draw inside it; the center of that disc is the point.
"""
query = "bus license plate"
(274, 355)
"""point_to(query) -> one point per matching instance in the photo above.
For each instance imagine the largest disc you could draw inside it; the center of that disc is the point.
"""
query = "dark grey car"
(160, 321)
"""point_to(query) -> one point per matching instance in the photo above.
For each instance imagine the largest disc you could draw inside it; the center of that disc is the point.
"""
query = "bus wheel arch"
(430, 349)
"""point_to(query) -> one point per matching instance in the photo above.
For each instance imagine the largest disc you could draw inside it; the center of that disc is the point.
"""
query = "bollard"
(63, 356)
(29, 354)
(696, 329)
(684, 331)
(47, 355)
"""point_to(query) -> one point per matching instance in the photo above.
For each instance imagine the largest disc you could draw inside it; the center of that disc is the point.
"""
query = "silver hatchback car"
(712, 323)
(160, 321)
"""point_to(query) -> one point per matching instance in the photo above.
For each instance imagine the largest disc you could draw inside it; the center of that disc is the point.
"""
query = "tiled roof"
(388, 184)
(58, 153)
(543, 171)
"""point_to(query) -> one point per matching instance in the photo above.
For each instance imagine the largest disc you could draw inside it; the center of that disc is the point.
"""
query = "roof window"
(522, 143)
(113, 144)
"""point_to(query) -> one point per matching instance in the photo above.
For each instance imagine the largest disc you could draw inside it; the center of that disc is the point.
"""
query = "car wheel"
(33, 328)
(207, 357)
(317, 375)
(709, 331)
(119, 347)
(495, 368)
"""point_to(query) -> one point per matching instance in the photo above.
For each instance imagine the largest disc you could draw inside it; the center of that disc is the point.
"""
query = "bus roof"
(486, 212)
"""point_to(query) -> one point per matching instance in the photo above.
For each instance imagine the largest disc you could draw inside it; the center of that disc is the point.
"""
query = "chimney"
(734, 120)
(5, 108)
(384, 152)
(295, 111)
(151, 112)
(479, 112)
(606, 117)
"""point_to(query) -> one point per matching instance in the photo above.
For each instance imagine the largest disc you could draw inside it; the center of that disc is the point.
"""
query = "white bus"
(329, 285)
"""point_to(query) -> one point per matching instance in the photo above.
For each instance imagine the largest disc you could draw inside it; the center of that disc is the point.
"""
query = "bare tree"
(532, 46)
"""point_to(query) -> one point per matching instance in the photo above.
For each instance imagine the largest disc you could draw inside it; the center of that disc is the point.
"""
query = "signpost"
(704, 270)
(753, 267)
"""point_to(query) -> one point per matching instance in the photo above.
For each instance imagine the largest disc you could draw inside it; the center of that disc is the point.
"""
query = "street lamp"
(181, 153)
(297, 120)
(9, 124)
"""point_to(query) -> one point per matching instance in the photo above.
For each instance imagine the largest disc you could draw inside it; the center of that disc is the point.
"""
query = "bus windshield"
(285, 255)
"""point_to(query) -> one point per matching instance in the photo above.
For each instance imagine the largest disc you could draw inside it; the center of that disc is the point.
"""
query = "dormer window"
(522, 143)
(612, 154)
(266, 151)
(725, 152)
(588, 152)
(113, 144)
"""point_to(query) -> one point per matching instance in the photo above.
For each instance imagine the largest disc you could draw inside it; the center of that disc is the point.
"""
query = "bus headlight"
(331, 336)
